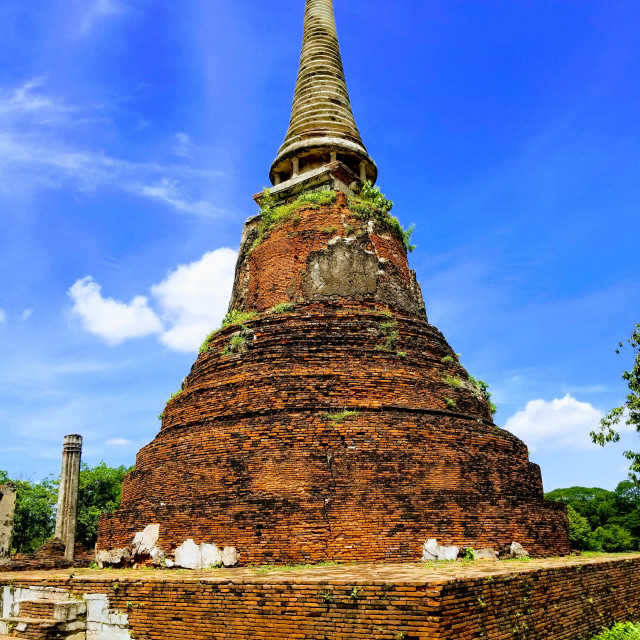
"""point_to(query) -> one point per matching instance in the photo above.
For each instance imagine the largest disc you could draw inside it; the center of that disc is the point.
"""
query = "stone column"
(68, 493)
(7, 509)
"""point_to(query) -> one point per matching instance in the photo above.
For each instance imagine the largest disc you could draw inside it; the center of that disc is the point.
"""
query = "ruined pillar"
(68, 493)
(7, 509)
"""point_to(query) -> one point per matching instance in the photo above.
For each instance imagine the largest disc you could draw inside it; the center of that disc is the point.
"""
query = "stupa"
(327, 419)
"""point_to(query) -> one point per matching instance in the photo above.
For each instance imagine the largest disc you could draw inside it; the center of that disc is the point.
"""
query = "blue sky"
(133, 134)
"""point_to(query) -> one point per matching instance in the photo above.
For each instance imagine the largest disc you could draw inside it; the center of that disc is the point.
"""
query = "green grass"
(391, 335)
(175, 394)
(271, 216)
(455, 383)
(282, 307)
(238, 317)
(233, 317)
(268, 568)
(342, 416)
(620, 631)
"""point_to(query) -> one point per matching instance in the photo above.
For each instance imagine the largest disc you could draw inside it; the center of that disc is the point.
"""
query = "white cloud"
(97, 10)
(3, 316)
(168, 192)
(110, 319)
(118, 442)
(40, 148)
(189, 303)
(194, 298)
(183, 145)
(26, 314)
(562, 423)
(24, 100)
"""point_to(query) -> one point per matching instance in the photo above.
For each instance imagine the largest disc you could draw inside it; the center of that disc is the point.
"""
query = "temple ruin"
(327, 418)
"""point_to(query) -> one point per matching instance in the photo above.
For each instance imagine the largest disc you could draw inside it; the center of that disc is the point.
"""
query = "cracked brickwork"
(250, 456)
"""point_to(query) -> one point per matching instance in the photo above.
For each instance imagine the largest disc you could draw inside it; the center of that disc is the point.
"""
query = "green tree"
(100, 491)
(629, 412)
(612, 538)
(612, 518)
(586, 501)
(34, 519)
(579, 530)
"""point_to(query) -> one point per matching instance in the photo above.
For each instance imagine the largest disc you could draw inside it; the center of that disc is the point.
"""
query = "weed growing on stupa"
(272, 216)
(341, 416)
(282, 307)
(371, 204)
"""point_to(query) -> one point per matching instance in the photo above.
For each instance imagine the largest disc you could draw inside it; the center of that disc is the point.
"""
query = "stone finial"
(322, 128)
(66, 517)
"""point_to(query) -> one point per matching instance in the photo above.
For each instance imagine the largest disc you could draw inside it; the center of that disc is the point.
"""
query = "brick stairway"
(49, 618)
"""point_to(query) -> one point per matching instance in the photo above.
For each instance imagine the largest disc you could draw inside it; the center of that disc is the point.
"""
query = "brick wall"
(248, 455)
(569, 601)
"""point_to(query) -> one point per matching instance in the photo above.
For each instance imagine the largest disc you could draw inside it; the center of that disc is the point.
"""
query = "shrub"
(272, 215)
(611, 538)
(620, 631)
(483, 389)
(282, 307)
(207, 341)
(238, 317)
(391, 335)
(455, 383)
(175, 394)
(371, 204)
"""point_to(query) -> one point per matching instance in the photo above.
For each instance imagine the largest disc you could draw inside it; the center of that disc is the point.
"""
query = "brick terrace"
(551, 599)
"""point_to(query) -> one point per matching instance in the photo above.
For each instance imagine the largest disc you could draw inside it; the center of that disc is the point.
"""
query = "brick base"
(568, 599)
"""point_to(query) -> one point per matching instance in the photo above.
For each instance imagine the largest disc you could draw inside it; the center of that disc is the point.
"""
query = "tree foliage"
(601, 520)
(34, 519)
(628, 413)
(100, 491)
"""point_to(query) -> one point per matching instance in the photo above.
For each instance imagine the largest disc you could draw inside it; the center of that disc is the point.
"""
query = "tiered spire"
(322, 127)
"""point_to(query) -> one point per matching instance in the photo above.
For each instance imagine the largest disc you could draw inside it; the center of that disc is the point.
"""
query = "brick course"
(249, 456)
(544, 600)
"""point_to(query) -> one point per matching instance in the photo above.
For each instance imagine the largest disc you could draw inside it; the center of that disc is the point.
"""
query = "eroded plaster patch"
(190, 555)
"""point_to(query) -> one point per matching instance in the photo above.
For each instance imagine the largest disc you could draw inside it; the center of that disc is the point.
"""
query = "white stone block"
(94, 608)
(210, 556)
(517, 550)
(230, 556)
(486, 554)
(448, 553)
(188, 555)
(146, 540)
(430, 550)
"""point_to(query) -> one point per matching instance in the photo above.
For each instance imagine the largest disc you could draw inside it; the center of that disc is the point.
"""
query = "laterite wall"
(557, 603)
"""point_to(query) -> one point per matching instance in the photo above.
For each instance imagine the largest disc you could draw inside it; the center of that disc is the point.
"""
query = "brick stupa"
(328, 420)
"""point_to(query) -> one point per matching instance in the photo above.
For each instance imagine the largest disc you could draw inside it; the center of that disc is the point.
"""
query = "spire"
(322, 127)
